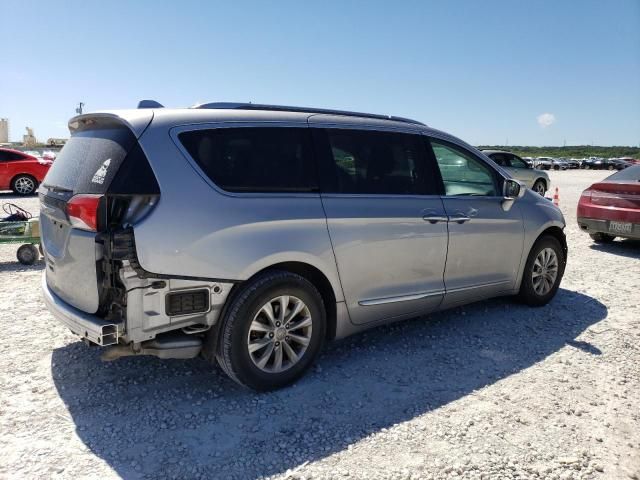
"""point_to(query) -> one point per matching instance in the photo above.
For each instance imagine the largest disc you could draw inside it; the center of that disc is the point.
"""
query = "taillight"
(586, 195)
(83, 212)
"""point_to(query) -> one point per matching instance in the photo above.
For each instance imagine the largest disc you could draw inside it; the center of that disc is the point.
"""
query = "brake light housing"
(84, 212)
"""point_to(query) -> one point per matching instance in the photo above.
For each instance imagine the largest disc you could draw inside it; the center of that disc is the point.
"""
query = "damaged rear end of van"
(101, 188)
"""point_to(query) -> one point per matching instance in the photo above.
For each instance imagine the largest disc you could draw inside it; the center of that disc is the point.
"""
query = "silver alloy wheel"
(545, 271)
(24, 185)
(538, 187)
(279, 334)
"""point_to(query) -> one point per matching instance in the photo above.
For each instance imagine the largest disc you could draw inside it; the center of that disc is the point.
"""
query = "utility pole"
(79, 108)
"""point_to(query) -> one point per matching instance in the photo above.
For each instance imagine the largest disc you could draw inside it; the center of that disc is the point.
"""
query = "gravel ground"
(493, 390)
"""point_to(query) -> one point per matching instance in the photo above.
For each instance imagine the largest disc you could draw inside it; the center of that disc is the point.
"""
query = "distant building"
(4, 130)
(29, 140)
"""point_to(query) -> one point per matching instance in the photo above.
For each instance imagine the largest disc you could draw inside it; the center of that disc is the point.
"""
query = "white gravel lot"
(493, 390)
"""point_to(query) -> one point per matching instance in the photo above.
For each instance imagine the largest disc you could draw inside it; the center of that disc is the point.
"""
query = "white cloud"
(546, 119)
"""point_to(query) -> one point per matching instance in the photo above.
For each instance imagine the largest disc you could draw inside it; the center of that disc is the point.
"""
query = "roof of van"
(138, 119)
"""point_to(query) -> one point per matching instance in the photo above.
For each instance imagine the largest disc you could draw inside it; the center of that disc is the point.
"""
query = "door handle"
(435, 218)
(459, 218)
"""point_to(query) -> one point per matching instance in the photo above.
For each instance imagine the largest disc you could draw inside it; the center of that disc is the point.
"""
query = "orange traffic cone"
(556, 198)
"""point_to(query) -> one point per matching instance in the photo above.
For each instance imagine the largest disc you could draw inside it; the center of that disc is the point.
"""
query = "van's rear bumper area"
(87, 326)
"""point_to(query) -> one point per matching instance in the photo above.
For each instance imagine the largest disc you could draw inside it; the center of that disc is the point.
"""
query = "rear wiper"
(56, 189)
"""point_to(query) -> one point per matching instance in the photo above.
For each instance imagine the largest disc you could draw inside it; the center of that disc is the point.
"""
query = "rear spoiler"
(136, 120)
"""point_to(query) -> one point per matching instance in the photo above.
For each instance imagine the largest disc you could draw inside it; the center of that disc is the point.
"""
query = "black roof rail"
(285, 108)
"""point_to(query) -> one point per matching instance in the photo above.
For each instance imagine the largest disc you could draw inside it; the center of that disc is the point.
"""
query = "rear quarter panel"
(26, 167)
(197, 230)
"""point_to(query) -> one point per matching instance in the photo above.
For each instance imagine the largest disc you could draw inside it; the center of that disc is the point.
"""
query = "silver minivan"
(252, 234)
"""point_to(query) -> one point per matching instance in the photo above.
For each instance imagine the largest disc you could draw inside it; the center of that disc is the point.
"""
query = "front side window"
(517, 162)
(500, 159)
(462, 173)
(254, 159)
(375, 162)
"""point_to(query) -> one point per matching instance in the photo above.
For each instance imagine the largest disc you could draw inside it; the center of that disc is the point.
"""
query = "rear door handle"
(435, 218)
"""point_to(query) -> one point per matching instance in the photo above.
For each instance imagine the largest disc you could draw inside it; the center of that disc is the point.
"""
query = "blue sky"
(482, 70)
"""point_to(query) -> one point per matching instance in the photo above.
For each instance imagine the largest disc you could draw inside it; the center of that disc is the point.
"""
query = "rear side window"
(248, 159)
(8, 156)
(375, 162)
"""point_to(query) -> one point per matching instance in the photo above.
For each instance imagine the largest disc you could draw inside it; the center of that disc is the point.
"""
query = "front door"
(485, 235)
(386, 221)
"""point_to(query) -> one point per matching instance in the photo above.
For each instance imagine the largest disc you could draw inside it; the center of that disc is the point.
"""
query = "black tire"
(599, 237)
(232, 338)
(540, 187)
(24, 185)
(527, 293)
(28, 254)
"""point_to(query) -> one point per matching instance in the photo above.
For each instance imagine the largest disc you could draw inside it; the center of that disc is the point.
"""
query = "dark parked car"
(594, 164)
(605, 164)
(572, 163)
(611, 208)
(617, 164)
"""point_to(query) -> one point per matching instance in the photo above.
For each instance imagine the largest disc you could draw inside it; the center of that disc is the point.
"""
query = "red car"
(20, 172)
(611, 208)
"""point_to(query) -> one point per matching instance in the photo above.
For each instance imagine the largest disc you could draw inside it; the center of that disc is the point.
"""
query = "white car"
(535, 179)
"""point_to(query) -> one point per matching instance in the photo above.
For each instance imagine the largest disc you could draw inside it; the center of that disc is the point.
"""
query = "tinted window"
(270, 159)
(463, 173)
(373, 162)
(500, 159)
(517, 162)
(7, 156)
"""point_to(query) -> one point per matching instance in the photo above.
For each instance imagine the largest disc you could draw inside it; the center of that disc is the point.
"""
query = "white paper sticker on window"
(101, 173)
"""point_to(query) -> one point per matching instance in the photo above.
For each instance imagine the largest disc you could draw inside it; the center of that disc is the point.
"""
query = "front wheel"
(272, 331)
(543, 272)
(539, 187)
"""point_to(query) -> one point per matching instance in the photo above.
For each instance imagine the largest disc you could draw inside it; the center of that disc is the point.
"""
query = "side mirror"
(513, 189)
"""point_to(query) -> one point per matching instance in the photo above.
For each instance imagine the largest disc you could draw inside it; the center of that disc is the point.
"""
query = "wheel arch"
(311, 273)
(552, 230)
(543, 180)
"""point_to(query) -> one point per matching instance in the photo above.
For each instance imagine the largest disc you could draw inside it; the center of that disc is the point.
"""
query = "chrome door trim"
(473, 287)
(400, 298)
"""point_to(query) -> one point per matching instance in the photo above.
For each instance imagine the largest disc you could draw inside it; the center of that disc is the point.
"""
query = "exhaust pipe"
(173, 345)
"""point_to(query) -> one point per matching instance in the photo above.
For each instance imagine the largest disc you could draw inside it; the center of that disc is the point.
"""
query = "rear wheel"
(24, 185)
(602, 237)
(272, 331)
(543, 272)
(540, 187)
(28, 254)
